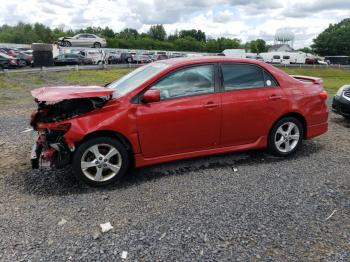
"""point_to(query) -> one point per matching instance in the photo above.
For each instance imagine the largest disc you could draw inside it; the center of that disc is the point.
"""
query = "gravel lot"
(242, 206)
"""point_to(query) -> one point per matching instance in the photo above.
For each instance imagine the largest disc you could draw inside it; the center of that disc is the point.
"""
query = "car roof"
(208, 59)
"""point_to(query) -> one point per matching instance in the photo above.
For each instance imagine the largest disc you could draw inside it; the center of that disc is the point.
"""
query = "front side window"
(189, 81)
(242, 76)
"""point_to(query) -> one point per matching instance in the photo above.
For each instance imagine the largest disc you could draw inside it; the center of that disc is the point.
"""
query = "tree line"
(129, 38)
(335, 40)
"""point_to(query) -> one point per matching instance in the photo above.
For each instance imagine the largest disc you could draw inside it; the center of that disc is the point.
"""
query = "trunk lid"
(58, 93)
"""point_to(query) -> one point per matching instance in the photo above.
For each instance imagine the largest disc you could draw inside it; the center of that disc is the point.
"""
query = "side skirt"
(140, 161)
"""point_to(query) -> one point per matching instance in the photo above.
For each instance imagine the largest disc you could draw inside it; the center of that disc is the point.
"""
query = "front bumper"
(341, 106)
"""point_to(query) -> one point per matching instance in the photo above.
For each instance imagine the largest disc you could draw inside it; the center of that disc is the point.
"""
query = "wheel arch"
(296, 115)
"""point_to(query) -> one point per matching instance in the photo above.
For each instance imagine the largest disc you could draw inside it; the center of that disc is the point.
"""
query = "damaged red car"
(175, 109)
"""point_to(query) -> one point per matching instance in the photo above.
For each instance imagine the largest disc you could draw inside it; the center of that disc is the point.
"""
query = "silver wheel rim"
(101, 162)
(287, 137)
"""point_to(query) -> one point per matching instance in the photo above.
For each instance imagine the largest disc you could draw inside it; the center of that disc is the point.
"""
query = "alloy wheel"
(101, 162)
(287, 137)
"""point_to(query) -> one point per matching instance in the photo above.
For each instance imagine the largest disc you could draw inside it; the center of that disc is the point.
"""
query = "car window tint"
(241, 76)
(187, 82)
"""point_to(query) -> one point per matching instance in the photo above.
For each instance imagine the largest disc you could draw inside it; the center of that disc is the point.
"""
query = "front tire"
(285, 137)
(100, 161)
(97, 45)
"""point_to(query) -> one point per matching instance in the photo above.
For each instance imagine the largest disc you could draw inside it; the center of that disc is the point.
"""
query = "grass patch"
(333, 78)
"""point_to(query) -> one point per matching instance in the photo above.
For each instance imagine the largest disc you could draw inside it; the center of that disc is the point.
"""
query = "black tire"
(97, 45)
(273, 148)
(67, 44)
(81, 152)
(129, 60)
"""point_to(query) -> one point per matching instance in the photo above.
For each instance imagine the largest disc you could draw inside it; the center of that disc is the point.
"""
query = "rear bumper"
(316, 130)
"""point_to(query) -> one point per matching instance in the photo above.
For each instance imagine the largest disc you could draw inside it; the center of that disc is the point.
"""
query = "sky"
(243, 19)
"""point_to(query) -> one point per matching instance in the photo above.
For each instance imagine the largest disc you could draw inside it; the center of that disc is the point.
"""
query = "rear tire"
(285, 137)
(100, 161)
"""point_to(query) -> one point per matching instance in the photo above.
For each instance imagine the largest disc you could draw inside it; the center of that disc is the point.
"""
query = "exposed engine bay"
(51, 150)
(53, 112)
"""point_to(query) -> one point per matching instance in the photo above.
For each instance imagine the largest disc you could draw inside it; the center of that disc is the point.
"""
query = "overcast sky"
(243, 19)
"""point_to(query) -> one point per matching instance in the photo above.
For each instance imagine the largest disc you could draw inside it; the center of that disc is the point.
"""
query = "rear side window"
(245, 76)
(276, 57)
(242, 76)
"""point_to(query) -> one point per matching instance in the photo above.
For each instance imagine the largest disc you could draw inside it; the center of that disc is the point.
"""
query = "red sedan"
(175, 109)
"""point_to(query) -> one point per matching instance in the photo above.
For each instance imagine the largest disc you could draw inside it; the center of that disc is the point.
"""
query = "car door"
(81, 40)
(251, 101)
(186, 119)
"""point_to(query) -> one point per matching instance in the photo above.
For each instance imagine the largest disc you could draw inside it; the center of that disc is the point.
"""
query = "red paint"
(197, 125)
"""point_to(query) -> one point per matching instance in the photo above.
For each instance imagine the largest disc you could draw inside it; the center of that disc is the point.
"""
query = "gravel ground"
(243, 206)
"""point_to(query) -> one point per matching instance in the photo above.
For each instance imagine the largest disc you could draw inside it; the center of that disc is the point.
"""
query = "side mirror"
(152, 95)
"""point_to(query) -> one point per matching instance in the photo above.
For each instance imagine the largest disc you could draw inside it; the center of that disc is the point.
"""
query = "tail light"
(323, 95)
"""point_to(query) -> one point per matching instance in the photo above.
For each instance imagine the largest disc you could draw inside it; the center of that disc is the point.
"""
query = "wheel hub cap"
(287, 137)
(101, 162)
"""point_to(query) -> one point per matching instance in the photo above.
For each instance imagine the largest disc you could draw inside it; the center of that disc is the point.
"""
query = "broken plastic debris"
(62, 222)
(106, 227)
(331, 214)
(124, 254)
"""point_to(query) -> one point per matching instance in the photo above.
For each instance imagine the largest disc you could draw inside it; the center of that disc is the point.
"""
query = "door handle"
(210, 104)
(275, 97)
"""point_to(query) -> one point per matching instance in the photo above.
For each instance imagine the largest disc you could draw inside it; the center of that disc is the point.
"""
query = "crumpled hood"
(58, 93)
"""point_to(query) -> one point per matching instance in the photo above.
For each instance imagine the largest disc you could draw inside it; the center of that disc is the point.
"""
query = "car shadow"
(62, 182)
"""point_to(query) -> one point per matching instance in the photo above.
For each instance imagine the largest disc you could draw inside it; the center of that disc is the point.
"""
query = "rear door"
(186, 119)
(251, 101)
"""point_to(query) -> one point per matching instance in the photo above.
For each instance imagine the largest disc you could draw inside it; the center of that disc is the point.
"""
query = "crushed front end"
(52, 121)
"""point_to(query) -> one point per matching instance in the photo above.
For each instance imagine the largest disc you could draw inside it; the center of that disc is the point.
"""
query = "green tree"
(157, 32)
(306, 50)
(256, 46)
(128, 33)
(335, 40)
(195, 34)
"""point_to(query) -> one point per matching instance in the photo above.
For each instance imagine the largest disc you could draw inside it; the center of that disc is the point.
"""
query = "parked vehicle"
(175, 109)
(7, 51)
(25, 58)
(341, 101)
(96, 56)
(72, 59)
(7, 61)
(142, 59)
(120, 58)
(82, 40)
(160, 57)
(315, 61)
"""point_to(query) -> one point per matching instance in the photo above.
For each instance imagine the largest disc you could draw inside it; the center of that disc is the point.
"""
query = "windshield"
(133, 80)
